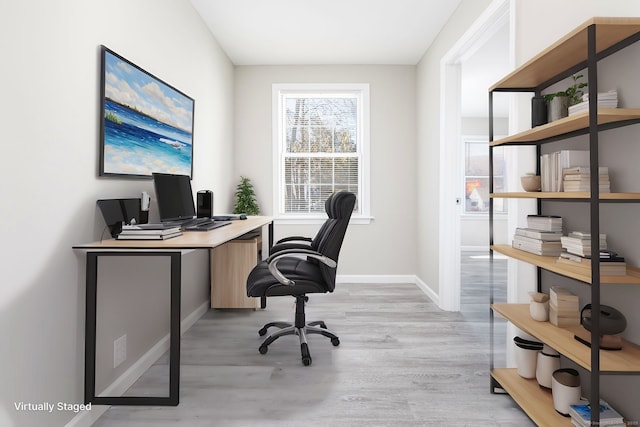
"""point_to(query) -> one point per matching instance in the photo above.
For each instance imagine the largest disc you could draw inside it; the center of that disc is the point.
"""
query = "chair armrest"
(295, 238)
(272, 262)
(279, 247)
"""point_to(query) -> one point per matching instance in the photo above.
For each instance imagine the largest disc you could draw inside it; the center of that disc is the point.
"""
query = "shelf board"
(573, 123)
(562, 340)
(570, 195)
(536, 401)
(568, 52)
(551, 263)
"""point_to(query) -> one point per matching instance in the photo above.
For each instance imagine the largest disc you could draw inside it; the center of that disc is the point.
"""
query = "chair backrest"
(328, 207)
(334, 230)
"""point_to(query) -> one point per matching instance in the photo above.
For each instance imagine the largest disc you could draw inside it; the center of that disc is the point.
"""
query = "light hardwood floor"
(401, 362)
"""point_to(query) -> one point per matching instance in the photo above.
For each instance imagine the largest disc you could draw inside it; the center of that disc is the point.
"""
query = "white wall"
(48, 168)
(391, 234)
(428, 140)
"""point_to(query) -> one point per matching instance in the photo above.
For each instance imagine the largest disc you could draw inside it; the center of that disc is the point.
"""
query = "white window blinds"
(321, 144)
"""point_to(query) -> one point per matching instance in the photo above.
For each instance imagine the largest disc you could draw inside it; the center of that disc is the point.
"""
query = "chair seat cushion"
(306, 274)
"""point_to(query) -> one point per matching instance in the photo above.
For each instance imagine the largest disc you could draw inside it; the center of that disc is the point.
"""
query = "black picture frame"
(146, 125)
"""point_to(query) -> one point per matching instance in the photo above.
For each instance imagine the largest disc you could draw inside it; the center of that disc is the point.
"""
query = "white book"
(568, 159)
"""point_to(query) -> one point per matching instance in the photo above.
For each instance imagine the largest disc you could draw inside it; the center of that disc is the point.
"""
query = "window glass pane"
(320, 149)
(476, 177)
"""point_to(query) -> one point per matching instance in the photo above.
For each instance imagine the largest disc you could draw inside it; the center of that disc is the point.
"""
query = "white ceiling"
(300, 32)
(286, 32)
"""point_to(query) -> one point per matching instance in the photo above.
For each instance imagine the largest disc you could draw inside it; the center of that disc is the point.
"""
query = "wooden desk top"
(189, 240)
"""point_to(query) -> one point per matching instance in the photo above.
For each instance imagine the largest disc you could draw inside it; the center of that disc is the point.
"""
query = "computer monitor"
(175, 197)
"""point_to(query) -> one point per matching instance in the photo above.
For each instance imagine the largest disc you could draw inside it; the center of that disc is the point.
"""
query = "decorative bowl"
(530, 182)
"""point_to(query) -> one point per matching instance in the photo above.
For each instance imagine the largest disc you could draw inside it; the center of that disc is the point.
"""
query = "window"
(476, 177)
(321, 141)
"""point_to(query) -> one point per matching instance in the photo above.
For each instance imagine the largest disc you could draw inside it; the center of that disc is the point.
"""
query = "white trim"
(389, 279)
(131, 375)
(362, 90)
(449, 224)
(474, 248)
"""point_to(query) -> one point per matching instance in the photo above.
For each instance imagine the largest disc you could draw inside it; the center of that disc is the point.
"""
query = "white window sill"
(290, 220)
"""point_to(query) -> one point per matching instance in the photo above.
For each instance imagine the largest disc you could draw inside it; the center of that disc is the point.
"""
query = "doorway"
(475, 62)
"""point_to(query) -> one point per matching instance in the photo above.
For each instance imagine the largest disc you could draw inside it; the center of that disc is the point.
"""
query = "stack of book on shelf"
(605, 100)
(149, 232)
(611, 264)
(581, 415)
(541, 236)
(552, 165)
(578, 178)
(564, 307)
(579, 243)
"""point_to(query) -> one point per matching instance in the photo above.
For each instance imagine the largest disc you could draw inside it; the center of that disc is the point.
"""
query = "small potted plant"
(559, 102)
(246, 202)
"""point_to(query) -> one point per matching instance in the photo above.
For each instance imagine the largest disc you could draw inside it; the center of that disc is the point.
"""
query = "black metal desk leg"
(90, 334)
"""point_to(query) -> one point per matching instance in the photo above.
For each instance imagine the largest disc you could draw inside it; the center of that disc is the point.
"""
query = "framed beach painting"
(146, 125)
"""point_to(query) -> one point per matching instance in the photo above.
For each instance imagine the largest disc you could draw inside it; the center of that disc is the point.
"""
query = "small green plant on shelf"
(246, 198)
(573, 92)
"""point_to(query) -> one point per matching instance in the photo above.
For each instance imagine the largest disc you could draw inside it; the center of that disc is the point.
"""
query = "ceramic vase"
(565, 389)
(548, 362)
(558, 108)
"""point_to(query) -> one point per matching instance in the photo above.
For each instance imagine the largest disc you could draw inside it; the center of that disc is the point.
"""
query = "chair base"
(300, 328)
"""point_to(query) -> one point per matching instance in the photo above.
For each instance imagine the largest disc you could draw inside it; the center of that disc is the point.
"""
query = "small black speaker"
(205, 204)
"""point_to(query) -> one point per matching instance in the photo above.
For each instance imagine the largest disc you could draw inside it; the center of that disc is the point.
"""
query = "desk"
(170, 248)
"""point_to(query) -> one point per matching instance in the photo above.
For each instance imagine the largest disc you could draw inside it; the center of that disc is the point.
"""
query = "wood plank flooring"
(401, 362)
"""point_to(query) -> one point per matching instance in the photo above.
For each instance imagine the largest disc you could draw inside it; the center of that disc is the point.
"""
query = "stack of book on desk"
(564, 307)
(149, 232)
(541, 236)
(581, 415)
(605, 100)
(578, 179)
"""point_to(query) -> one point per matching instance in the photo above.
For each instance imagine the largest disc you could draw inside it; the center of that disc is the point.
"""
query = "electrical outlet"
(119, 351)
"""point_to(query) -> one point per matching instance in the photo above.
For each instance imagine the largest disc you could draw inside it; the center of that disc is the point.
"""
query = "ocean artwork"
(147, 124)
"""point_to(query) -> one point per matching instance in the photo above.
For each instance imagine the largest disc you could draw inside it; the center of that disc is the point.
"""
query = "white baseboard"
(401, 278)
(428, 291)
(131, 375)
(475, 248)
(380, 278)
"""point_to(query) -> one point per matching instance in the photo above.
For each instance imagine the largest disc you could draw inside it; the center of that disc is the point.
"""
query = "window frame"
(280, 91)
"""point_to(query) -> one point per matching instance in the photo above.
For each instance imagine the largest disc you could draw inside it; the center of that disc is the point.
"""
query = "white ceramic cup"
(565, 388)
(539, 311)
(526, 361)
(547, 363)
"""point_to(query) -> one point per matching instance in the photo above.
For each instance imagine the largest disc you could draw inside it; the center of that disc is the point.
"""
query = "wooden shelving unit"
(533, 399)
(575, 123)
(569, 195)
(569, 52)
(580, 49)
(563, 341)
(550, 263)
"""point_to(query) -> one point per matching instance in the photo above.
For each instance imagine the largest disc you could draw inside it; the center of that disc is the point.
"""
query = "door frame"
(496, 14)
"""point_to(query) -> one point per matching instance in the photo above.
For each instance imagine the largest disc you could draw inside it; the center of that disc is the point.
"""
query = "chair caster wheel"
(335, 342)
(306, 357)
(262, 332)
(263, 349)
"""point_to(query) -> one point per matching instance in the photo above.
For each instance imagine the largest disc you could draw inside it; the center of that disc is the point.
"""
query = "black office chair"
(301, 271)
(303, 242)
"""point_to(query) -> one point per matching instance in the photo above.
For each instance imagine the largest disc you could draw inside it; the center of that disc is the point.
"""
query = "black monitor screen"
(174, 195)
